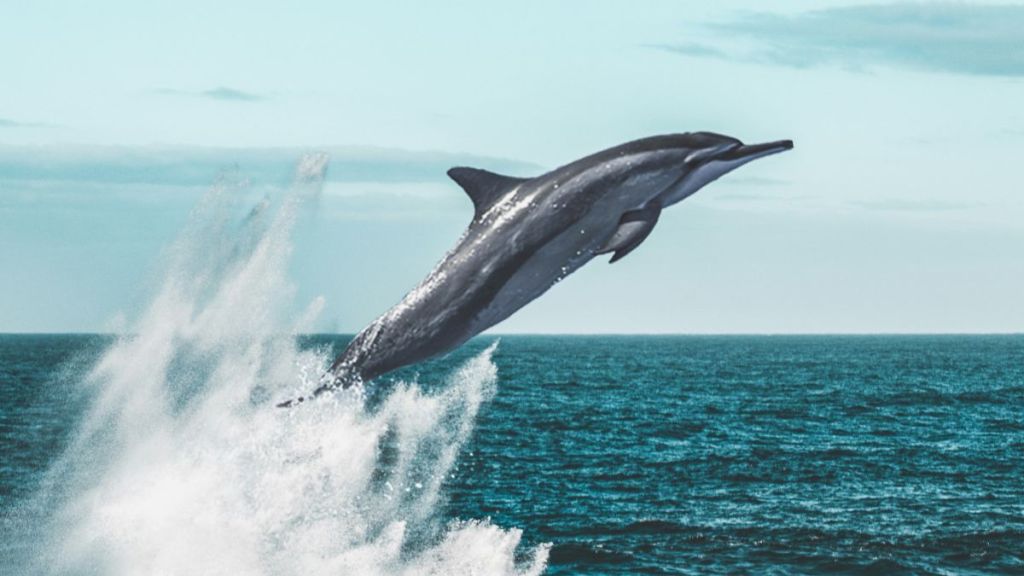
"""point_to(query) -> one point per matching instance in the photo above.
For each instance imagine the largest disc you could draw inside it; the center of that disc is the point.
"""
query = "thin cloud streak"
(198, 166)
(895, 205)
(231, 94)
(220, 93)
(691, 49)
(8, 123)
(759, 181)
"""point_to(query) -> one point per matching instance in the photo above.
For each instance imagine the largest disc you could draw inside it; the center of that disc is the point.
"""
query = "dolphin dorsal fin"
(484, 188)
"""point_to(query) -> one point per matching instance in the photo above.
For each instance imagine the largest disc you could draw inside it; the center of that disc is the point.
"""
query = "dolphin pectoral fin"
(634, 227)
(484, 188)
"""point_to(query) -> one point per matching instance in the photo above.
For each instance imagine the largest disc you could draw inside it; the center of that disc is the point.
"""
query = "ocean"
(544, 454)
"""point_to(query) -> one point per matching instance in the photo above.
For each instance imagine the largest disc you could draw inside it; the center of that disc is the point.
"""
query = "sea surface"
(583, 455)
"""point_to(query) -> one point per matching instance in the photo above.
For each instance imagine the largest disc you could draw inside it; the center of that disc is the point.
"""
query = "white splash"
(184, 466)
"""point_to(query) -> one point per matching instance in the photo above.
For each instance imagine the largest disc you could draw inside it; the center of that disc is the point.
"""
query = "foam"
(184, 466)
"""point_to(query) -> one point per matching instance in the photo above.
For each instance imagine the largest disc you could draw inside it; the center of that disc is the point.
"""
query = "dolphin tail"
(334, 379)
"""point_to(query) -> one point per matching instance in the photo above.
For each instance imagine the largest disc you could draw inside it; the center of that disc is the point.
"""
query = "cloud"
(222, 93)
(759, 181)
(198, 166)
(8, 123)
(691, 49)
(970, 39)
(896, 205)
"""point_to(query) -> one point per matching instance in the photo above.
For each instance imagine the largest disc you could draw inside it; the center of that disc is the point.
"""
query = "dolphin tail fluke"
(292, 402)
(329, 382)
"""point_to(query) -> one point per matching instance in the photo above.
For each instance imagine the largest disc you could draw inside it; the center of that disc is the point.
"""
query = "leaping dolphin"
(529, 233)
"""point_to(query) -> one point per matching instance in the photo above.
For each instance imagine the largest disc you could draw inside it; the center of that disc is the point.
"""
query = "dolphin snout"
(754, 151)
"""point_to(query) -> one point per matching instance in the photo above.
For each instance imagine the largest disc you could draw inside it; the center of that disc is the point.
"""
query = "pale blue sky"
(900, 210)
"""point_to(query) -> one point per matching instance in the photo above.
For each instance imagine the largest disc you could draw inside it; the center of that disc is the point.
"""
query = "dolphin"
(527, 234)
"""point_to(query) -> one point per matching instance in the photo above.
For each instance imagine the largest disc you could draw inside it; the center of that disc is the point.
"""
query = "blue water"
(681, 454)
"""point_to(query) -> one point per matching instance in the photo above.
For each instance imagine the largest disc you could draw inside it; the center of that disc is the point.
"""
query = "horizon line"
(579, 334)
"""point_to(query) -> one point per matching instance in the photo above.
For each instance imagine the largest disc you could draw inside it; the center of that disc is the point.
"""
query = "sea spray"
(183, 466)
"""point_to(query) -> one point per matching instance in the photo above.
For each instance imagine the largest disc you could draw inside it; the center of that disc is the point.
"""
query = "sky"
(900, 210)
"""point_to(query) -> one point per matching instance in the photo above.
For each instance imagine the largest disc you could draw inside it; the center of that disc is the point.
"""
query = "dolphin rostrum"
(529, 233)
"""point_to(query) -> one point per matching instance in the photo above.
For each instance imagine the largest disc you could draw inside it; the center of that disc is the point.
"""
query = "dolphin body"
(529, 233)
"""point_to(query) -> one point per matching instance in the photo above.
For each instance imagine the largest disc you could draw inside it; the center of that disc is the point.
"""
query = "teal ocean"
(577, 455)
